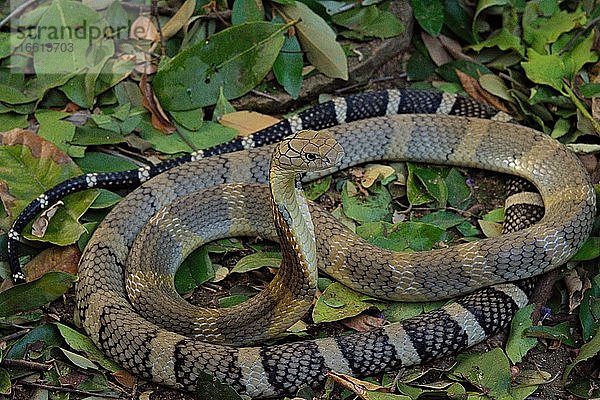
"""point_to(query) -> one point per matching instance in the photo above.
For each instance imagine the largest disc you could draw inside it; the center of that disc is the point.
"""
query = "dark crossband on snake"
(125, 294)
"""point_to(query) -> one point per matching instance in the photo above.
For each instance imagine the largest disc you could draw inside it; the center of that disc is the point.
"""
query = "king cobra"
(135, 338)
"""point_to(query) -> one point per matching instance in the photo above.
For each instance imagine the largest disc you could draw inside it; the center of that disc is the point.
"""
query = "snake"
(431, 127)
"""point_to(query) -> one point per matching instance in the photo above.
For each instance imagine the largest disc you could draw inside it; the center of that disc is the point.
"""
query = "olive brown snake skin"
(170, 358)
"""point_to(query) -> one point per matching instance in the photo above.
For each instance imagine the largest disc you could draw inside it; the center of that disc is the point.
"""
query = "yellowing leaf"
(179, 19)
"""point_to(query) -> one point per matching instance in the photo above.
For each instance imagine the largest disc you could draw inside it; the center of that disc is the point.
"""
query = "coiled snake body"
(170, 358)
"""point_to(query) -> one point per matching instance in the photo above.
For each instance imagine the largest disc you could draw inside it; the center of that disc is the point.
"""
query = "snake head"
(308, 151)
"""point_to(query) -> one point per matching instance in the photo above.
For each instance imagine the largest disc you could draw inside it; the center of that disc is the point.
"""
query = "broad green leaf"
(210, 134)
(397, 311)
(428, 180)
(196, 269)
(190, 119)
(545, 69)
(258, 260)
(29, 166)
(5, 386)
(222, 107)
(233, 300)
(496, 215)
(47, 333)
(338, 302)
(429, 14)
(587, 351)
(35, 294)
(542, 31)
(247, 11)
(102, 162)
(589, 310)
(504, 40)
(581, 54)
(561, 332)
(315, 189)
(208, 387)
(12, 120)
(374, 207)
(488, 371)
(193, 78)
(589, 250)
(81, 342)
(288, 66)
(459, 193)
(442, 219)
(318, 41)
(59, 132)
(482, 5)
(85, 45)
(368, 21)
(402, 236)
(94, 136)
(79, 360)
(518, 344)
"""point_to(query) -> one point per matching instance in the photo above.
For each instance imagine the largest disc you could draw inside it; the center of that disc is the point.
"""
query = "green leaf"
(210, 134)
(338, 302)
(81, 342)
(459, 193)
(196, 269)
(489, 371)
(85, 47)
(541, 31)
(12, 120)
(402, 236)
(5, 385)
(429, 14)
(399, 311)
(208, 387)
(442, 219)
(315, 189)
(222, 107)
(94, 136)
(587, 351)
(545, 69)
(233, 300)
(589, 310)
(318, 41)
(57, 131)
(482, 5)
(79, 360)
(247, 11)
(518, 344)
(589, 250)
(258, 260)
(95, 161)
(374, 207)
(424, 184)
(28, 167)
(561, 332)
(288, 66)
(504, 40)
(47, 334)
(32, 295)
(581, 54)
(193, 78)
(368, 22)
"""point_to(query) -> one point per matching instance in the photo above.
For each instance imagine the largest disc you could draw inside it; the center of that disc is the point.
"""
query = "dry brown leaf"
(40, 148)
(143, 29)
(53, 259)
(363, 322)
(474, 89)
(454, 48)
(160, 120)
(38, 229)
(127, 379)
(179, 20)
(356, 386)
(374, 172)
(247, 122)
(436, 50)
(576, 282)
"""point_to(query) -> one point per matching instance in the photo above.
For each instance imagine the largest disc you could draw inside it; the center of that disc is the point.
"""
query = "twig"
(15, 335)
(263, 94)
(17, 11)
(68, 390)
(31, 365)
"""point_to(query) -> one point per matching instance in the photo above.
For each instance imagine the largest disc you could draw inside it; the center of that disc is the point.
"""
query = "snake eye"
(311, 156)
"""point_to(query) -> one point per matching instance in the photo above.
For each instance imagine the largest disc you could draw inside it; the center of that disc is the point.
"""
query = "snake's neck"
(294, 223)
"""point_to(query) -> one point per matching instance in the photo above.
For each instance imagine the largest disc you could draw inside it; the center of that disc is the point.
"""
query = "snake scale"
(170, 358)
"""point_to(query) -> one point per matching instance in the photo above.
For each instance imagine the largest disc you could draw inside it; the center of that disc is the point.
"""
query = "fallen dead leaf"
(247, 122)
(160, 120)
(356, 386)
(363, 322)
(38, 229)
(474, 89)
(437, 52)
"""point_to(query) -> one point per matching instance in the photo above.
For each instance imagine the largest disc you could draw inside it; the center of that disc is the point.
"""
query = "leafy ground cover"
(147, 89)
